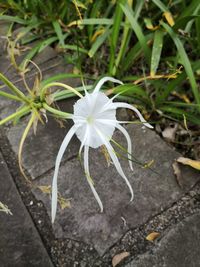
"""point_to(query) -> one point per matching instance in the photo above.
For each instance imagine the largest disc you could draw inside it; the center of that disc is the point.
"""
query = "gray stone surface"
(38, 159)
(153, 192)
(50, 64)
(40, 150)
(179, 247)
(20, 243)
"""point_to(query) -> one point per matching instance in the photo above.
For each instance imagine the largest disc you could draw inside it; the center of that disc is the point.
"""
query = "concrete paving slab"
(50, 65)
(40, 150)
(179, 247)
(20, 243)
(153, 192)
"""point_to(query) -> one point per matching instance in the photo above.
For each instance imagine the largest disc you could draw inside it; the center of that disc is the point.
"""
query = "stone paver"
(153, 192)
(51, 133)
(20, 243)
(50, 65)
(40, 150)
(179, 247)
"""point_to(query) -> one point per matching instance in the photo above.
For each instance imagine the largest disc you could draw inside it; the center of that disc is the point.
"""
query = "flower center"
(90, 119)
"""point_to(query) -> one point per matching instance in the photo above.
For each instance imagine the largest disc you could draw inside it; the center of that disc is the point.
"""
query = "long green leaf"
(58, 31)
(185, 61)
(137, 29)
(13, 19)
(99, 41)
(156, 51)
(114, 38)
(13, 88)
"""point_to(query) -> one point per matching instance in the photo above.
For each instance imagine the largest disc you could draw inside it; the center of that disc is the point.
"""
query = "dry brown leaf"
(64, 203)
(190, 162)
(177, 173)
(152, 236)
(119, 257)
(104, 151)
(45, 189)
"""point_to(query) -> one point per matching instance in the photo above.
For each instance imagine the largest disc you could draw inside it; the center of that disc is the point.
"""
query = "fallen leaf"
(148, 164)
(5, 208)
(169, 18)
(119, 257)
(190, 162)
(177, 173)
(152, 236)
(64, 203)
(104, 151)
(45, 189)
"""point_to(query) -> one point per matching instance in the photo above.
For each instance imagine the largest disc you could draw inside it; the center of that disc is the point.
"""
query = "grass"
(153, 46)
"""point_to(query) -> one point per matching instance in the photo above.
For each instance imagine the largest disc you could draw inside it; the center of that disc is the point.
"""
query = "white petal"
(125, 133)
(84, 139)
(57, 165)
(125, 105)
(89, 179)
(115, 161)
(103, 80)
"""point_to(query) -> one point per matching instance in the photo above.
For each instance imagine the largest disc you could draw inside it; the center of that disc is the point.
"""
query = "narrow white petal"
(87, 173)
(125, 105)
(125, 133)
(115, 161)
(103, 80)
(57, 165)
(84, 139)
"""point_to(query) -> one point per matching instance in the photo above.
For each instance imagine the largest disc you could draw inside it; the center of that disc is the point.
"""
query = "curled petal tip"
(148, 125)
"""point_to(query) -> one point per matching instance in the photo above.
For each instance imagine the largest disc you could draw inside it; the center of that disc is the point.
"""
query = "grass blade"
(156, 51)
(58, 31)
(137, 29)
(185, 61)
(99, 41)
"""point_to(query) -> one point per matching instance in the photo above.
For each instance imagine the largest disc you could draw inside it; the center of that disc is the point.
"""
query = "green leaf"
(58, 31)
(13, 88)
(156, 51)
(137, 29)
(178, 113)
(114, 38)
(99, 41)
(13, 19)
(185, 61)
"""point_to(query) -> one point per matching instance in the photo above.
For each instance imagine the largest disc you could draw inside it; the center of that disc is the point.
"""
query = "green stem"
(21, 112)
(9, 96)
(13, 88)
(59, 113)
(44, 89)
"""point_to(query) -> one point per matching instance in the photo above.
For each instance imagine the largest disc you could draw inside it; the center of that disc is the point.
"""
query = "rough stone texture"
(178, 247)
(50, 64)
(4, 27)
(153, 192)
(40, 150)
(20, 243)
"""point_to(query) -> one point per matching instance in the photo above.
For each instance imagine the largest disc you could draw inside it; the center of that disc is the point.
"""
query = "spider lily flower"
(94, 124)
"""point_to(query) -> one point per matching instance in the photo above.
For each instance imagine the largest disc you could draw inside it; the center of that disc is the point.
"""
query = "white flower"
(94, 124)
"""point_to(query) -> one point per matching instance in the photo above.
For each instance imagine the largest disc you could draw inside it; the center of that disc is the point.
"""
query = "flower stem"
(21, 112)
(44, 89)
(13, 88)
(57, 112)
(10, 96)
